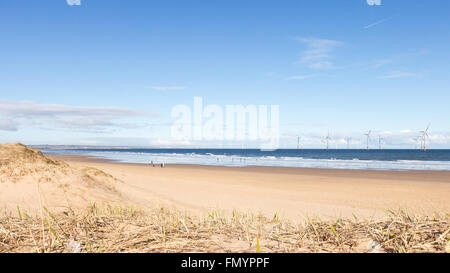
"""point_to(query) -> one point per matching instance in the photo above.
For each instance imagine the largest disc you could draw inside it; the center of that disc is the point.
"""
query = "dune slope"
(29, 178)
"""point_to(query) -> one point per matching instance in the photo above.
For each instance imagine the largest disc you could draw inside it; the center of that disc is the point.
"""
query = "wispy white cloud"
(439, 139)
(29, 108)
(381, 62)
(318, 54)
(406, 54)
(7, 125)
(299, 77)
(15, 114)
(398, 74)
(377, 23)
(167, 142)
(168, 88)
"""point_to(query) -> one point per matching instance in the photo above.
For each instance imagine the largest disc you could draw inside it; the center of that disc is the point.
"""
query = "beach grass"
(112, 228)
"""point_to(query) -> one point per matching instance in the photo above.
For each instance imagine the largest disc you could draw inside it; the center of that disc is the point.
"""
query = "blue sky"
(109, 72)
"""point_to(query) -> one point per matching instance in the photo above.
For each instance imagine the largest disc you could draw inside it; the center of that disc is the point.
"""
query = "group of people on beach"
(162, 165)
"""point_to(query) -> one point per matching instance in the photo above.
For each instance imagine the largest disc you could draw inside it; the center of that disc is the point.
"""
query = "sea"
(388, 159)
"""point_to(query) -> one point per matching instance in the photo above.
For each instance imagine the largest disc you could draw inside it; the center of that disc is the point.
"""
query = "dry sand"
(32, 180)
(292, 193)
(49, 204)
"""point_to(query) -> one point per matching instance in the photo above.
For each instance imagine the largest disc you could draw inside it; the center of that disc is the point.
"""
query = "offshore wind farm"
(362, 159)
(367, 157)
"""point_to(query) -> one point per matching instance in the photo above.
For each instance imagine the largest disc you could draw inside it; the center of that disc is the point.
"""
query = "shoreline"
(376, 173)
(379, 160)
(292, 193)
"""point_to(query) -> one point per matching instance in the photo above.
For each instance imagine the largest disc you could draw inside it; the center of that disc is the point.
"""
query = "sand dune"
(32, 180)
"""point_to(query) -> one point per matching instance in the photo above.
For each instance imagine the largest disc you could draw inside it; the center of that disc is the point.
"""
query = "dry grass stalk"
(126, 229)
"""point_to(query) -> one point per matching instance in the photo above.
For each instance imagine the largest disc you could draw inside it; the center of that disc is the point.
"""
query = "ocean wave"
(266, 160)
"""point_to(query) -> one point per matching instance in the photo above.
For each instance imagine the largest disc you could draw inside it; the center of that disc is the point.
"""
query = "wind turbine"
(298, 142)
(348, 142)
(368, 137)
(380, 141)
(327, 139)
(424, 137)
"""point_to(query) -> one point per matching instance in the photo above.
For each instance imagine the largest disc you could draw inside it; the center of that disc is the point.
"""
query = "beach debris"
(74, 247)
(374, 247)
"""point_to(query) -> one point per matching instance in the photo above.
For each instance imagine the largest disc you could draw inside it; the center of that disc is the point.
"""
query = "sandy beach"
(290, 192)
(50, 203)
